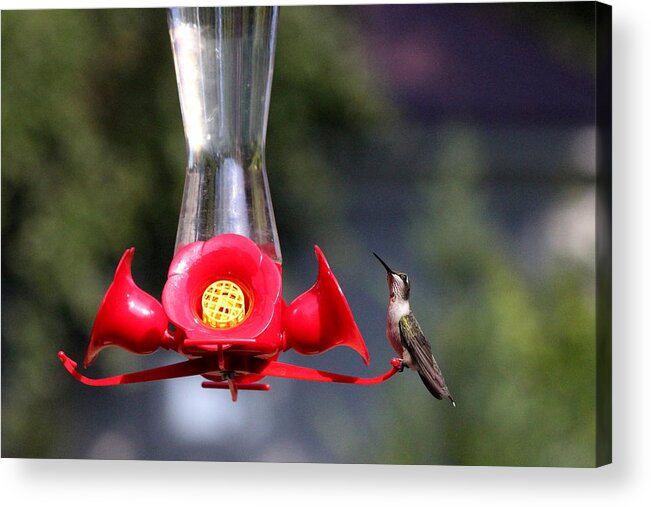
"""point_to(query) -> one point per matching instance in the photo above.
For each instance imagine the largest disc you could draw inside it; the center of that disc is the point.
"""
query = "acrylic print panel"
(459, 142)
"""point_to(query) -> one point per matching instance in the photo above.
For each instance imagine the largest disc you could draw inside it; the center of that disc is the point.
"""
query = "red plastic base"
(209, 365)
(229, 358)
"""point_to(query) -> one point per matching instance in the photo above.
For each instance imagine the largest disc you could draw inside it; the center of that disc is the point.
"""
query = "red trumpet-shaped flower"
(128, 317)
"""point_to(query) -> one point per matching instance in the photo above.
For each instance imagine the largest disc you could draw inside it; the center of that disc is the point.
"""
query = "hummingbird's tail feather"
(438, 389)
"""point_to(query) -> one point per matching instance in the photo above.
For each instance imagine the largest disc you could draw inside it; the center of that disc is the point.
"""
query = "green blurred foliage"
(92, 163)
(319, 85)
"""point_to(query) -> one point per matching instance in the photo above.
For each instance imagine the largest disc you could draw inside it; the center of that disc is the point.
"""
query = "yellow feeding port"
(223, 305)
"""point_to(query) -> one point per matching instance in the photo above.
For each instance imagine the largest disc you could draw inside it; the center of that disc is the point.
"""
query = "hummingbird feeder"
(222, 307)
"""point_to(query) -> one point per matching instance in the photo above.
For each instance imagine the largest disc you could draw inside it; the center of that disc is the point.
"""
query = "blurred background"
(456, 141)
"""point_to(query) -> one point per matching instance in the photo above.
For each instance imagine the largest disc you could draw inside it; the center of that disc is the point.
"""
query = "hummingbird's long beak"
(389, 270)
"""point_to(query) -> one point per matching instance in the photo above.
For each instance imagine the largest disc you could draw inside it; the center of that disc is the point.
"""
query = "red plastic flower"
(236, 259)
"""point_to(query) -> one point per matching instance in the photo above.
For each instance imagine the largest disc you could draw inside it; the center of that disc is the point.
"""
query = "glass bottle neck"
(224, 59)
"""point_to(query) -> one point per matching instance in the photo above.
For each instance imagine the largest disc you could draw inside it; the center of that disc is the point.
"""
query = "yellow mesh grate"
(223, 305)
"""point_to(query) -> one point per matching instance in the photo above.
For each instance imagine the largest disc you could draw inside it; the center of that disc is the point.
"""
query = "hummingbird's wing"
(419, 348)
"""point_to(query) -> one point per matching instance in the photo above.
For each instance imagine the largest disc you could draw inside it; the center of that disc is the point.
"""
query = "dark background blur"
(456, 141)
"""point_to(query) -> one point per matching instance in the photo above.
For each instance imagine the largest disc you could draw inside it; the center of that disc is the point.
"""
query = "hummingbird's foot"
(399, 364)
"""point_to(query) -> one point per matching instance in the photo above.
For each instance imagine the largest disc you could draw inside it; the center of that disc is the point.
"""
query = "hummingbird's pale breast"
(397, 308)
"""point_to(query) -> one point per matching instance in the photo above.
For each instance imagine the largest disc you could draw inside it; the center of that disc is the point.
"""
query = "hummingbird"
(407, 338)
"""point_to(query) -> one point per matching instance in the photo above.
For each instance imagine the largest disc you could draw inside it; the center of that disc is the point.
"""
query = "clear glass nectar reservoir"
(224, 64)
